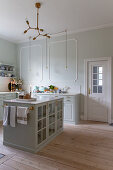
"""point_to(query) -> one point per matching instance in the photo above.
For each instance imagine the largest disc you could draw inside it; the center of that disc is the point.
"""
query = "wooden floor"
(88, 146)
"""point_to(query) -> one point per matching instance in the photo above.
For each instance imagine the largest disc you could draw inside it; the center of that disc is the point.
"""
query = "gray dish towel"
(12, 116)
(6, 117)
(22, 113)
(9, 117)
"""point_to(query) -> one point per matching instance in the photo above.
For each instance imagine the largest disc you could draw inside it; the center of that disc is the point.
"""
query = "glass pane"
(94, 76)
(39, 125)
(100, 83)
(50, 108)
(61, 123)
(94, 89)
(95, 69)
(100, 76)
(61, 114)
(53, 107)
(51, 119)
(44, 134)
(58, 115)
(44, 122)
(44, 111)
(51, 129)
(94, 82)
(99, 89)
(39, 137)
(100, 69)
(39, 112)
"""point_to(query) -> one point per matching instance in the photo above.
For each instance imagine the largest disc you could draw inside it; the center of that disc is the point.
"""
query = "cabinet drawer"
(68, 99)
(13, 96)
(9, 96)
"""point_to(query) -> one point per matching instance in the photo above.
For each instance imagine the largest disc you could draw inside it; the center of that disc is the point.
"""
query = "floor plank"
(86, 146)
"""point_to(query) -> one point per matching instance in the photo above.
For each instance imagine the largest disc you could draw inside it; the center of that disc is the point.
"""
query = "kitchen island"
(44, 123)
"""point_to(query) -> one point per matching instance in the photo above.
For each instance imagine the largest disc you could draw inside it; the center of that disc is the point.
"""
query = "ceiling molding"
(92, 28)
(8, 39)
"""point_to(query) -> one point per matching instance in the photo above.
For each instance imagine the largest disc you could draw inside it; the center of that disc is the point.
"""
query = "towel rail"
(30, 108)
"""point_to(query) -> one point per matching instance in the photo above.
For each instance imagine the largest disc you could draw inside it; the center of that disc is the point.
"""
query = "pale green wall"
(8, 52)
(8, 55)
(91, 44)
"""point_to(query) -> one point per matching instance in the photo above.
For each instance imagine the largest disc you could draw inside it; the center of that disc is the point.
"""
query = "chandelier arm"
(32, 28)
(27, 22)
(26, 30)
(36, 37)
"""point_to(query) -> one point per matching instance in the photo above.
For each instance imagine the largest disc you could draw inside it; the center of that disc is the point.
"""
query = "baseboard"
(1, 122)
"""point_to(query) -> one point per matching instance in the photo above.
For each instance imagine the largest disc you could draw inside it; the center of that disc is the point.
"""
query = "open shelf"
(7, 71)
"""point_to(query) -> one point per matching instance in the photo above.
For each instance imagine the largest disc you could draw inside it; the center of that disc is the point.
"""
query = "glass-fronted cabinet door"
(52, 118)
(52, 108)
(42, 123)
(59, 109)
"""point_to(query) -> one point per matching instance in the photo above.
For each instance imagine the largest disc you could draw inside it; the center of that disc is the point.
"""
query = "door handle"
(89, 91)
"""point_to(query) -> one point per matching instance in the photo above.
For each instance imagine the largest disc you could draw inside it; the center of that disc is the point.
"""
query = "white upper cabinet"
(31, 63)
(60, 57)
(24, 57)
(36, 63)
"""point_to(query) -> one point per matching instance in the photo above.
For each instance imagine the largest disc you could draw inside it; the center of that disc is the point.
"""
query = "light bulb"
(25, 31)
(34, 38)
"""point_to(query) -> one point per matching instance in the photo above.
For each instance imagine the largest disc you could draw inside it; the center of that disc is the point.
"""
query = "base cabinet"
(49, 120)
(5, 96)
(68, 112)
(70, 106)
(45, 122)
(71, 109)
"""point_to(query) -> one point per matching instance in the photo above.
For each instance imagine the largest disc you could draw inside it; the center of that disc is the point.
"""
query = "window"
(97, 79)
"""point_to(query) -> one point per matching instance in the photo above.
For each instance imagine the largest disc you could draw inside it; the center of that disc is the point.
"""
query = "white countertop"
(7, 92)
(59, 94)
(38, 101)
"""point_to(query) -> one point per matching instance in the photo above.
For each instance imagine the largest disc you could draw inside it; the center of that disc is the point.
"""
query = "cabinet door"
(68, 111)
(24, 59)
(36, 64)
(31, 66)
(42, 123)
(1, 112)
(58, 61)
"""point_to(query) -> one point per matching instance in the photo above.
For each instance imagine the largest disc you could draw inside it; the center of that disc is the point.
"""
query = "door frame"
(86, 61)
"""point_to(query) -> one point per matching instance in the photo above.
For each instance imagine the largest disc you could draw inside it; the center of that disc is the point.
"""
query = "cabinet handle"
(68, 100)
(89, 91)
(31, 108)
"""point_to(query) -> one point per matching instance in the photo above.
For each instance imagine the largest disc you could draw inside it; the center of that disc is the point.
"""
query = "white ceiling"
(55, 16)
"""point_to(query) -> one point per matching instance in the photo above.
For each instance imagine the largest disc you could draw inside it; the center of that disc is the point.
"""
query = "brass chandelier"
(40, 31)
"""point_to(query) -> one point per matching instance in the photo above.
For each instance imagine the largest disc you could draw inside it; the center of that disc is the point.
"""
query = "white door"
(97, 91)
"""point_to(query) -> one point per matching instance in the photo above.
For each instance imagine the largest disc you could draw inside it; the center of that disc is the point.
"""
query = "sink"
(27, 100)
